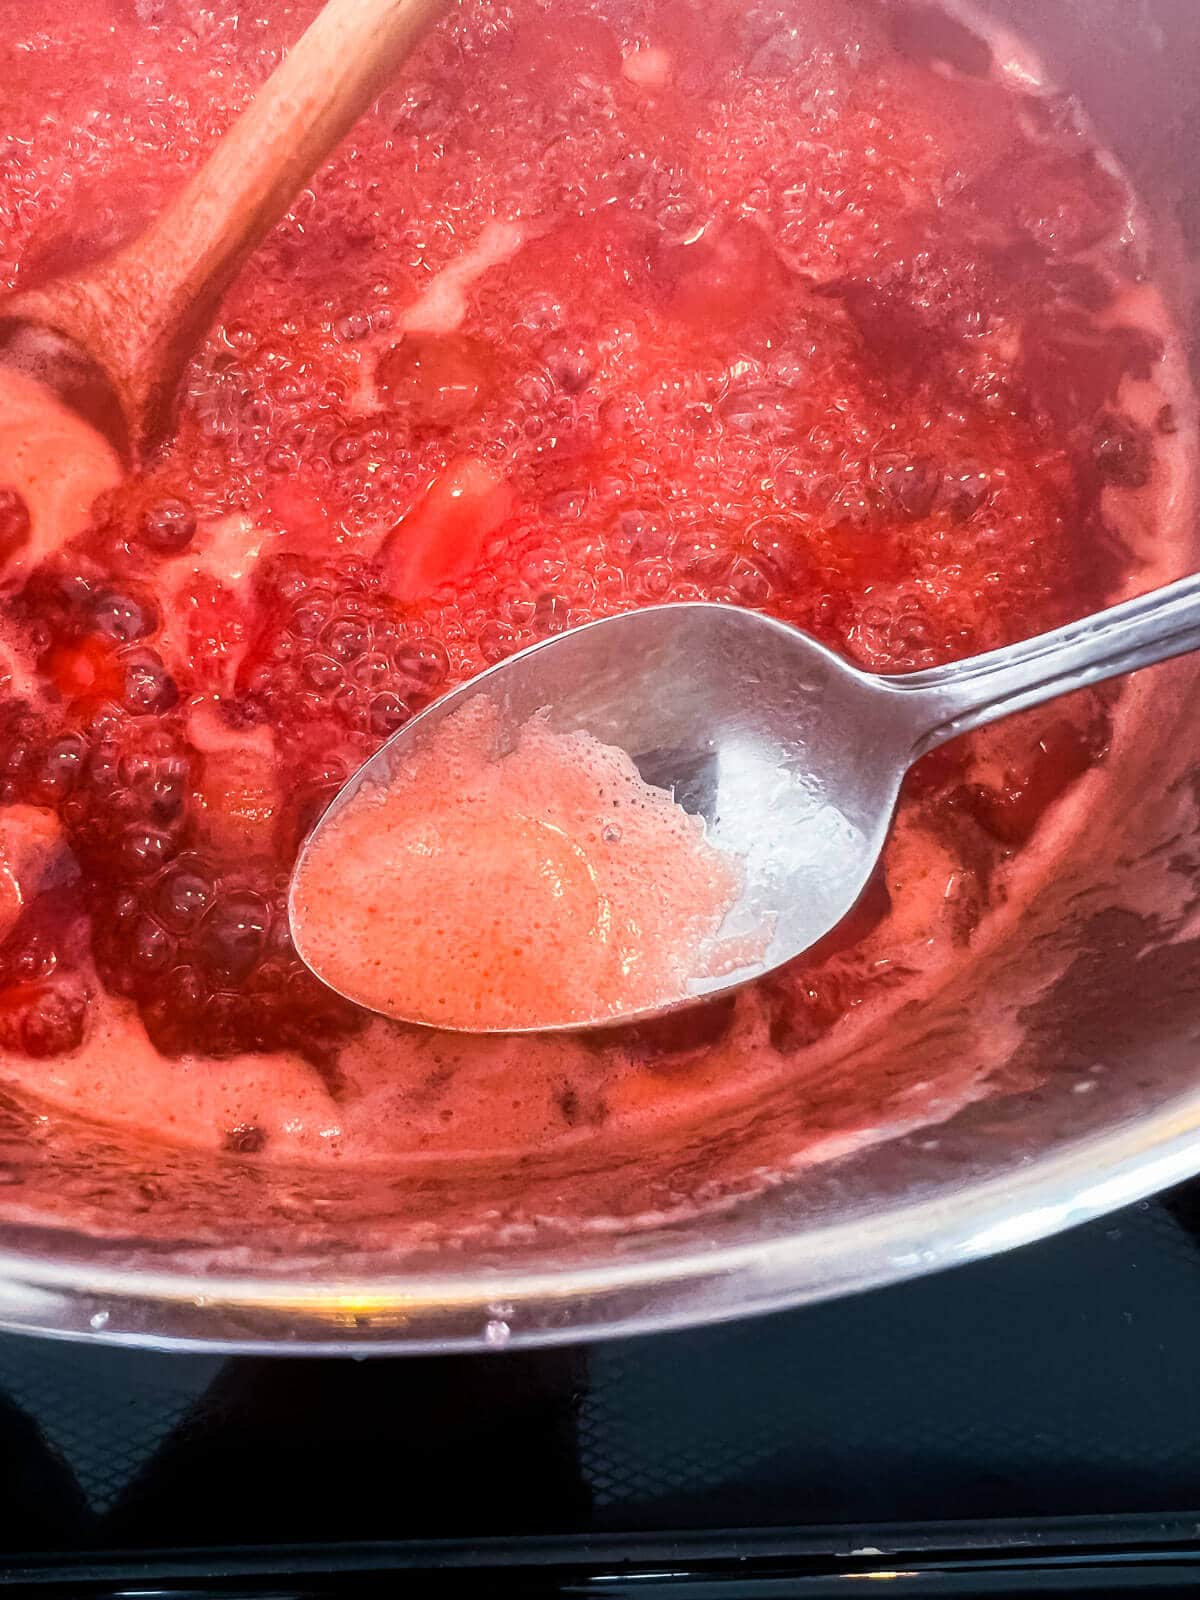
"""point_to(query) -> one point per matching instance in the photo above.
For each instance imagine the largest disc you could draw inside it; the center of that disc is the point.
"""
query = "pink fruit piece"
(441, 540)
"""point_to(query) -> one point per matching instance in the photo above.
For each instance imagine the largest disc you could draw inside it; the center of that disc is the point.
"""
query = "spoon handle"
(947, 701)
(319, 90)
(139, 313)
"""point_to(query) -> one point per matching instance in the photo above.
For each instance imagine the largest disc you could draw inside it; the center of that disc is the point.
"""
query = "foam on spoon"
(538, 885)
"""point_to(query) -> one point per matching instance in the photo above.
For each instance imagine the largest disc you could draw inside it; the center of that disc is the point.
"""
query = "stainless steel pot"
(1082, 1016)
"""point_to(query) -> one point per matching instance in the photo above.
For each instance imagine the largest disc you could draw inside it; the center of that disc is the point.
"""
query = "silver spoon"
(793, 757)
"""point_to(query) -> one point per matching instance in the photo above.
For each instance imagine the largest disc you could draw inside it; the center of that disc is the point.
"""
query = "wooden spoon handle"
(139, 313)
(306, 107)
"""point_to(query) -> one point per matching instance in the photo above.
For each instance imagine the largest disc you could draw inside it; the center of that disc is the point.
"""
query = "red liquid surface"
(596, 308)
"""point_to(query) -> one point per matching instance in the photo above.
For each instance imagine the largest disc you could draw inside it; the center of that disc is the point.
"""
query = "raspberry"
(43, 1000)
(333, 645)
(167, 527)
(43, 1020)
(208, 959)
(127, 813)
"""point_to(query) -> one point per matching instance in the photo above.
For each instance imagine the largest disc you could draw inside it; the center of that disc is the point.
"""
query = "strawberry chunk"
(88, 668)
(441, 540)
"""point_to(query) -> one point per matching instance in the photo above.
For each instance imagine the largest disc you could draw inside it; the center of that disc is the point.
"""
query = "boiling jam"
(806, 308)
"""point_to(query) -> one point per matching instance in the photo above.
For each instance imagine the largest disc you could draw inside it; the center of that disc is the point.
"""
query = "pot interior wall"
(1086, 1016)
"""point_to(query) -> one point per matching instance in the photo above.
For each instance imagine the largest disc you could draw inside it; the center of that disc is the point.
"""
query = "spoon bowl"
(793, 757)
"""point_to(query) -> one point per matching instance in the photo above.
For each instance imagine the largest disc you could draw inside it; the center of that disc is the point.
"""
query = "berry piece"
(207, 957)
(43, 1019)
(441, 540)
(333, 648)
(167, 527)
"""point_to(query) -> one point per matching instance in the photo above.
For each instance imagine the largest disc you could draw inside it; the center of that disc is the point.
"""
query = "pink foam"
(543, 886)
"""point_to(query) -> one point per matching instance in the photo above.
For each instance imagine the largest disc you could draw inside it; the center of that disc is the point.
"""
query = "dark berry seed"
(235, 933)
(14, 524)
(122, 618)
(168, 526)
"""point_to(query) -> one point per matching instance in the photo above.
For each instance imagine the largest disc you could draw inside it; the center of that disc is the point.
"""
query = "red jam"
(801, 309)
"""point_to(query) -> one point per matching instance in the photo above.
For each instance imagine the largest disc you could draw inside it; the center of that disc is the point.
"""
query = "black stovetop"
(1005, 1399)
